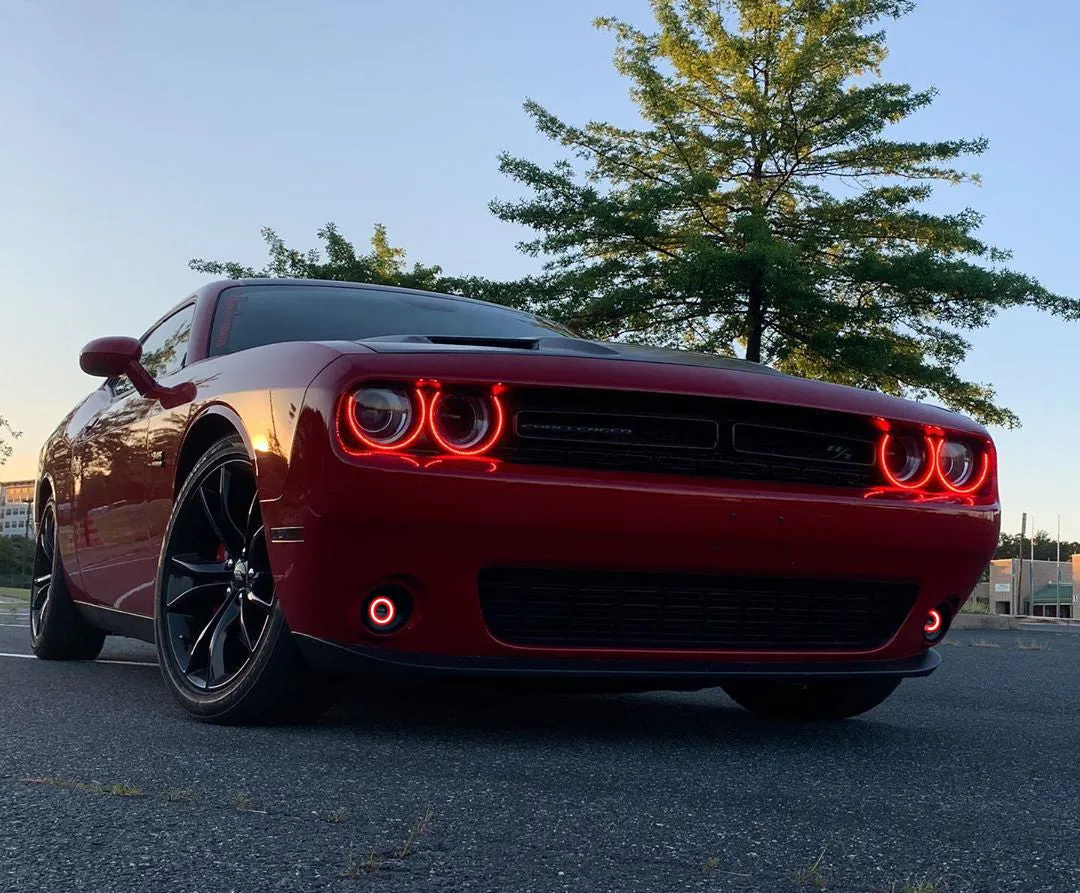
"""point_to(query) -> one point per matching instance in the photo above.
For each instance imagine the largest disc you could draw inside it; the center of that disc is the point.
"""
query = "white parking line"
(124, 663)
(16, 625)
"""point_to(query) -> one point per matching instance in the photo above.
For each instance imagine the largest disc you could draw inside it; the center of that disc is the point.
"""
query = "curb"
(985, 621)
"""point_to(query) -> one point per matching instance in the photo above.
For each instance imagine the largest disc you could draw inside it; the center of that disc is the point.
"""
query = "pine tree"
(760, 208)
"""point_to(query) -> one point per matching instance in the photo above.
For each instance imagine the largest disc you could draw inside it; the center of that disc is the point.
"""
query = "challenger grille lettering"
(540, 428)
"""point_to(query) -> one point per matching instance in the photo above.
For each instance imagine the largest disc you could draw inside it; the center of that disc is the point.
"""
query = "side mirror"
(110, 357)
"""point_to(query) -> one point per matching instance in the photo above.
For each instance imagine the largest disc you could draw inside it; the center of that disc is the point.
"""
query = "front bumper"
(343, 660)
(355, 525)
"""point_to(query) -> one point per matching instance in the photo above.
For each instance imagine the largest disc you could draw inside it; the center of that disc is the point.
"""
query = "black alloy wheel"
(218, 593)
(41, 585)
(57, 630)
(223, 645)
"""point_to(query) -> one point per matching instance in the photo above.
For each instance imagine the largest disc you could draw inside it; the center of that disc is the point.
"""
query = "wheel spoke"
(211, 515)
(251, 516)
(224, 489)
(215, 665)
(197, 567)
(201, 591)
(202, 640)
(259, 599)
(244, 634)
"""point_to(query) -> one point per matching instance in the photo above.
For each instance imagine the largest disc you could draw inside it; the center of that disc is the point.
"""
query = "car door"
(115, 478)
(109, 458)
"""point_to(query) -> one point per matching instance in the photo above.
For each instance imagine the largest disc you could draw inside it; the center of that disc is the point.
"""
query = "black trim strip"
(118, 623)
(286, 534)
(351, 659)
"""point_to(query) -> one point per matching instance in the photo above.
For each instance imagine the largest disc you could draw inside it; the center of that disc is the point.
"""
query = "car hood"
(541, 361)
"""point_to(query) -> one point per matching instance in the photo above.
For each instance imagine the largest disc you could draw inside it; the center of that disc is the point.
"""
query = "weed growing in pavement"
(368, 865)
(373, 861)
(711, 864)
(811, 875)
(982, 643)
(336, 816)
(418, 828)
(244, 803)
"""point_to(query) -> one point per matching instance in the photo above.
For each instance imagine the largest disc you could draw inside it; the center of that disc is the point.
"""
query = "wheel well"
(203, 434)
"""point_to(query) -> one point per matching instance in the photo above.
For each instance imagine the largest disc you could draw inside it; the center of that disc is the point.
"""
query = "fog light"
(381, 611)
(387, 609)
(937, 623)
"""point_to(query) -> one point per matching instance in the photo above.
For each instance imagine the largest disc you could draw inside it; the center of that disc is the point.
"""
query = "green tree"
(1045, 547)
(760, 208)
(6, 448)
(337, 259)
(384, 264)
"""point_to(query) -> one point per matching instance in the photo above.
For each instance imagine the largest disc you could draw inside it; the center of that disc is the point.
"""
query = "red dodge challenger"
(285, 482)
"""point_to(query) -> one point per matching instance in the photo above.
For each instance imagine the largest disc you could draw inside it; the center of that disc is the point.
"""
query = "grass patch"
(812, 875)
(336, 816)
(910, 886)
(982, 643)
(22, 595)
(1032, 646)
(975, 606)
(114, 789)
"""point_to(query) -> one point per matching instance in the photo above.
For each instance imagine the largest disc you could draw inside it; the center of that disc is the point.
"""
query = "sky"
(135, 136)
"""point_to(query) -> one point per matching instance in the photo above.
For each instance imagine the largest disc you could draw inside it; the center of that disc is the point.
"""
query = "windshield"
(253, 315)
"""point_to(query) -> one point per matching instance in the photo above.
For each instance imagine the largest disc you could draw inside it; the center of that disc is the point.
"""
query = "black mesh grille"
(649, 610)
(675, 434)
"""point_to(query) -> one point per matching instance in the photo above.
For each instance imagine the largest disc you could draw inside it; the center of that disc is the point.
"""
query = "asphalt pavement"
(966, 781)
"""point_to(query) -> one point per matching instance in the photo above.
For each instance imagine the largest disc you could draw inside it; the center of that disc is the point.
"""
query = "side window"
(164, 349)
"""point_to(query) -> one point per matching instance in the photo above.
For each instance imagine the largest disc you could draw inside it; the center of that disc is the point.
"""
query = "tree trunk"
(754, 320)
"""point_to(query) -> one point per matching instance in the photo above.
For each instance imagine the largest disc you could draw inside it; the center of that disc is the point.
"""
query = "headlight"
(906, 460)
(466, 424)
(960, 467)
(384, 418)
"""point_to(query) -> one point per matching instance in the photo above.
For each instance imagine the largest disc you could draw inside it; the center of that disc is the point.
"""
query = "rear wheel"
(57, 630)
(223, 645)
(831, 699)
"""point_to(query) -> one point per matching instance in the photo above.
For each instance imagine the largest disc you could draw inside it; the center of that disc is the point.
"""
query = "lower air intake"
(689, 611)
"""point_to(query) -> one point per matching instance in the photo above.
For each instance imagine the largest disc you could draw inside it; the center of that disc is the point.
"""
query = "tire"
(57, 630)
(826, 700)
(224, 648)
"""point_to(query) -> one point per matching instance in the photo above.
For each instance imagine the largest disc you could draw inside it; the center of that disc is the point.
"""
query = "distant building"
(15, 502)
(1039, 591)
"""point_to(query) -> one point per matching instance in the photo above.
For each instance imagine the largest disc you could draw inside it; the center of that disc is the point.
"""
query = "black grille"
(675, 434)
(652, 610)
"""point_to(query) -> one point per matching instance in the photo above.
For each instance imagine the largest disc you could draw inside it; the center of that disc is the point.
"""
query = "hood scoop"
(552, 344)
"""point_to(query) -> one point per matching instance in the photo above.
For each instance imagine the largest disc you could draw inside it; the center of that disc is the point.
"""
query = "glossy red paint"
(430, 523)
